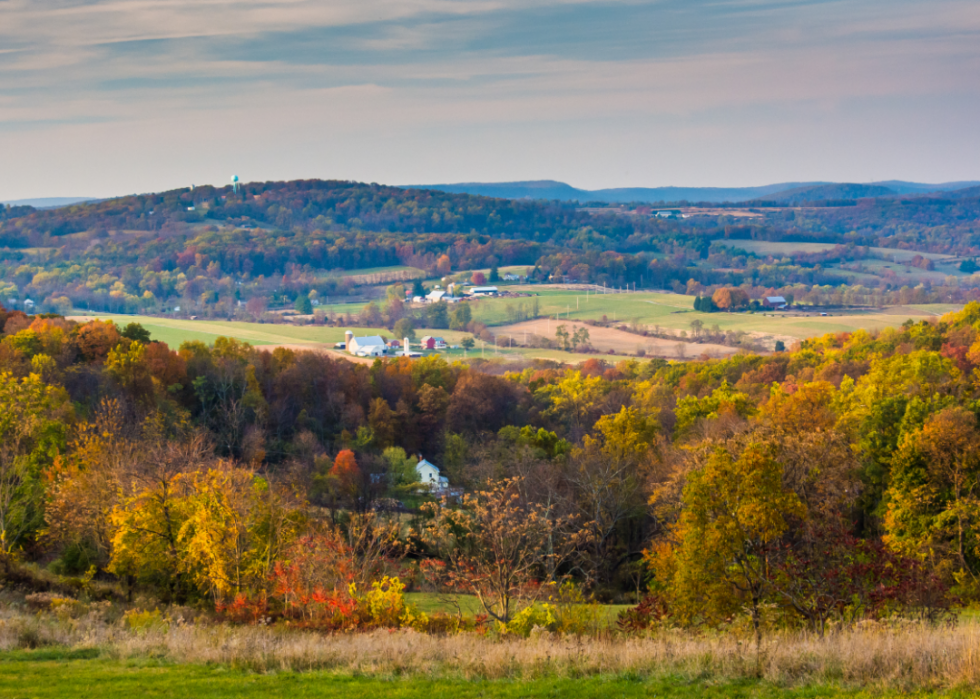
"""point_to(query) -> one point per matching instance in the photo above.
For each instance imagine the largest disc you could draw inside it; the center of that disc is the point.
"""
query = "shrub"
(650, 611)
(143, 622)
(540, 616)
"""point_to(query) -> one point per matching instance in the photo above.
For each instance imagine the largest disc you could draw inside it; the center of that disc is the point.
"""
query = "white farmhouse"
(371, 346)
(429, 476)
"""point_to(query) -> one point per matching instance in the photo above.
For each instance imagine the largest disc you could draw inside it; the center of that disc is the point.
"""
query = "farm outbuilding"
(370, 346)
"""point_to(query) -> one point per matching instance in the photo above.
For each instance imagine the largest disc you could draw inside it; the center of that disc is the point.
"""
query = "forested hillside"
(206, 249)
(849, 466)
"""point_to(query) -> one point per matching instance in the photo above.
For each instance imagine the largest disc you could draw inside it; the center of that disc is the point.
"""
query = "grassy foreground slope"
(53, 673)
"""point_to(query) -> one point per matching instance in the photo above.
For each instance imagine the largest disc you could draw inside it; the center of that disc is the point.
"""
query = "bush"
(541, 616)
(143, 622)
(650, 611)
(31, 636)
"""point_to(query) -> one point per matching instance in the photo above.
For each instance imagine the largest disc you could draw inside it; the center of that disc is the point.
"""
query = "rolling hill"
(815, 191)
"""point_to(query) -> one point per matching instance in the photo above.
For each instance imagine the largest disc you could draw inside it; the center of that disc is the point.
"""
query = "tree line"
(830, 483)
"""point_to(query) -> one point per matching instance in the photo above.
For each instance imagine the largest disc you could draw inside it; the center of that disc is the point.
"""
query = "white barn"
(429, 475)
(370, 346)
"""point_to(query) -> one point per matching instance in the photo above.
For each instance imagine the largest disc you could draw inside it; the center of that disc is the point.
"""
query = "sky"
(107, 97)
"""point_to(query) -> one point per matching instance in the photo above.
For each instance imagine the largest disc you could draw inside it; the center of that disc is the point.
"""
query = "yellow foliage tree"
(735, 510)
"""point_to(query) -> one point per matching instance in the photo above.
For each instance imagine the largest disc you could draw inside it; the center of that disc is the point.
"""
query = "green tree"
(401, 470)
(405, 327)
(437, 315)
(136, 332)
(33, 426)
(561, 334)
(303, 305)
(460, 316)
(580, 337)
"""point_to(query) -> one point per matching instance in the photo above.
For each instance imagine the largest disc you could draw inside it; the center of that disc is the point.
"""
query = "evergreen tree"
(303, 304)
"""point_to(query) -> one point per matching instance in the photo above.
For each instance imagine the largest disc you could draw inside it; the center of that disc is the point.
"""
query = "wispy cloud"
(525, 78)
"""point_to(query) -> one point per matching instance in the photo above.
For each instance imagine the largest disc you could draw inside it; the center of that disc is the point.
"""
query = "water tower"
(234, 182)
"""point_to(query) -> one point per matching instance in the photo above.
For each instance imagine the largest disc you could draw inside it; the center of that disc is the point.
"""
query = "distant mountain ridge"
(830, 192)
(48, 202)
(810, 191)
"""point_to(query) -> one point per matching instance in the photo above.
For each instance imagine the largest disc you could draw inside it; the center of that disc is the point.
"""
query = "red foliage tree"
(346, 471)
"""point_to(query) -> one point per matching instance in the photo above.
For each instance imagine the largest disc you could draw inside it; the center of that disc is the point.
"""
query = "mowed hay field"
(670, 312)
(174, 331)
(765, 247)
(620, 341)
(676, 312)
(320, 338)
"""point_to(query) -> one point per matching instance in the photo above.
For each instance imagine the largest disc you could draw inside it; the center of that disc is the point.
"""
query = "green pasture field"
(509, 269)
(669, 311)
(765, 247)
(365, 275)
(676, 312)
(579, 305)
(173, 331)
(379, 270)
(910, 274)
(55, 673)
(469, 605)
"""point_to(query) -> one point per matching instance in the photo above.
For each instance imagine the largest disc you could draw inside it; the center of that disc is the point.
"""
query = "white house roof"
(483, 290)
(370, 341)
(435, 295)
(775, 299)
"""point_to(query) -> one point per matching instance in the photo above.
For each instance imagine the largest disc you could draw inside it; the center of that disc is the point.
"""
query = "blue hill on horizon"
(551, 189)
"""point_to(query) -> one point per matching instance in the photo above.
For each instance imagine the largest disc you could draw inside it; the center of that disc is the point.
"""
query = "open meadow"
(53, 655)
(54, 674)
(765, 247)
(670, 314)
(676, 312)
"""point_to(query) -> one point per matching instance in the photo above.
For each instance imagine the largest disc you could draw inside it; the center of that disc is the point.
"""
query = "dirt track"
(619, 341)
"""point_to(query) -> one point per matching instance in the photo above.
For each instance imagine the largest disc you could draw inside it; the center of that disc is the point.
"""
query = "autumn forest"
(723, 516)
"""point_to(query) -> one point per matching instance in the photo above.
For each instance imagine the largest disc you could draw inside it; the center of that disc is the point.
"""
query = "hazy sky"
(102, 97)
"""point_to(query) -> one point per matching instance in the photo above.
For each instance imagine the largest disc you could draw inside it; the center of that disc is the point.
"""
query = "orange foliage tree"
(347, 473)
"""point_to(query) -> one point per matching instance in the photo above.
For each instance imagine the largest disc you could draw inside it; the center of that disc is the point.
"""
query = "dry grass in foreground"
(893, 657)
